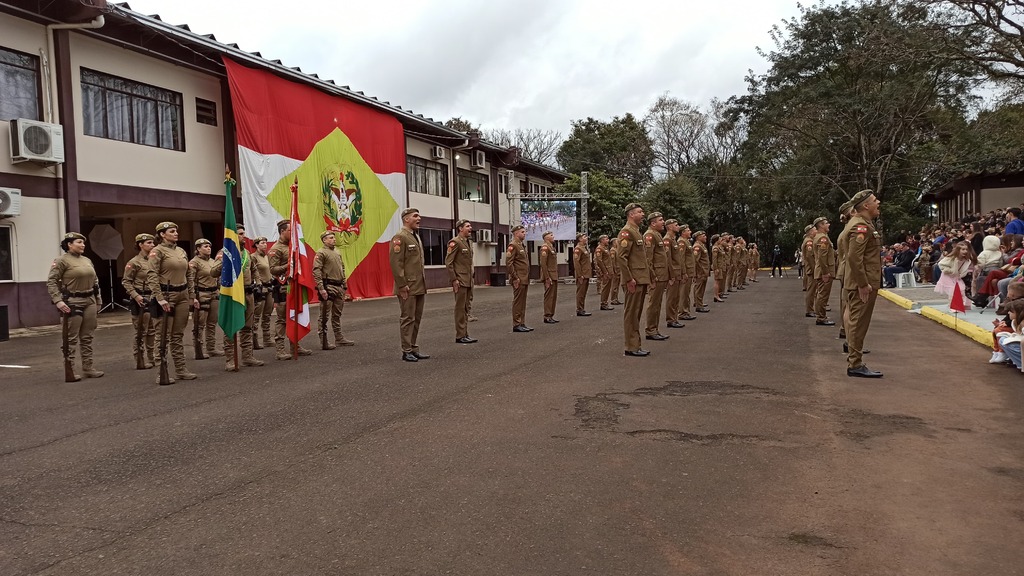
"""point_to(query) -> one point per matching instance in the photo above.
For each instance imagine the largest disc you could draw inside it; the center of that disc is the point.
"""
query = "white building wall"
(993, 198)
(36, 233)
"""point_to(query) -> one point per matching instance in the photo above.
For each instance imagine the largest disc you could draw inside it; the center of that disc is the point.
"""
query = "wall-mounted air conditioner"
(485, 235)
(438, 152)
(478, 159)
(36, 142)
(10, 202)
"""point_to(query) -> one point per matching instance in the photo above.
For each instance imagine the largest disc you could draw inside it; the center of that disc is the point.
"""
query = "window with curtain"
(435, 243)
(121, 109)
(19, 85)
(426, 177)
(473, 187)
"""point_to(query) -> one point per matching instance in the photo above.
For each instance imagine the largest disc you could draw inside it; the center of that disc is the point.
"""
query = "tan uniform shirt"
(863, 255)
(327, 265)
(720, 258)
(517, 264)
(687, 258)
(204, 273)
(277, 258)
(136, 276)
(459, 261)
(406, 257)
(632, 256)
(824, 256)
(548, 262)
(74, 275)
(657, 251)
(169, 267)
(675, 258)
(841, 245)
(602, 260)
(702, 262)
(581, 262)
(807, 253)
(262, 267)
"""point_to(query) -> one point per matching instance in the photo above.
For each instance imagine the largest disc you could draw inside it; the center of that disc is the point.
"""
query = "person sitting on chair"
(902, 262)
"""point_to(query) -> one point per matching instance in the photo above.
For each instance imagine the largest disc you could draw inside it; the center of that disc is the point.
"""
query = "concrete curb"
(976, 333)
(897, 299)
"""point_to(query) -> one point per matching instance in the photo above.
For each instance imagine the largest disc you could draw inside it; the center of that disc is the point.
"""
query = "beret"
(631, 206)
(139, 238)
(408, 211)
(73, 236)
(654, 216)
(671, 221)
(819, 220)
(165, 226)
(203, 242)
(860, 197)
(326, 234)
(518, 227)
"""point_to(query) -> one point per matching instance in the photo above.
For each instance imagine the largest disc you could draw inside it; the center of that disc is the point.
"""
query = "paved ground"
(739, 447)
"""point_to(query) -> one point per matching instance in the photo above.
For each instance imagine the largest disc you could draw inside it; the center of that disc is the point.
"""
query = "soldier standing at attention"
(824, 270)
(702, 269)
(718, 265)
(549, 273)
(278, 259)
(657, 259)
(406, 258)
(249, 278)
(739, 258)
(517, 268)
(584, 270)
(329, 275)
(863, 278)
(613, 260)
(459, 262)
(688, 271)
(845, 211)
(807, 255)
(603, 261)
(172, 290)
(135, 284)
(635, 271)
(263, 296)
(675, 274)
(755, 261)
(75, 290)
(204, 275)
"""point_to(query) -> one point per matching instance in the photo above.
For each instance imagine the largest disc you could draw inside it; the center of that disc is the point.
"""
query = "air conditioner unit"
(478, 159)
(10, 202)
(438, 152)
(36, 141)
(484, 235)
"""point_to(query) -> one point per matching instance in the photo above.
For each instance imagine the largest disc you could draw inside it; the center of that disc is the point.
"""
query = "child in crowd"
(1010, 341)
(960, 262)
(1014, 292)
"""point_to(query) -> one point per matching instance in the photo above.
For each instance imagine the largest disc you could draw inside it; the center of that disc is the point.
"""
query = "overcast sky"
(511, 64)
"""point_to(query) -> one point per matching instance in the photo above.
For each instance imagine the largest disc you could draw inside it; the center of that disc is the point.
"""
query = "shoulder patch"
(451, 245)
(859, 229)
(397, 240)
(576, 250)
(666, 242)
(625, 241)
(543, 248)
(128, 266)
(624, 234)
(397, 247)
(511, 249)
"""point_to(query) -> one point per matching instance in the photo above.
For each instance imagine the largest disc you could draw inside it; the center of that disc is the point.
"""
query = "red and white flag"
(300, 271)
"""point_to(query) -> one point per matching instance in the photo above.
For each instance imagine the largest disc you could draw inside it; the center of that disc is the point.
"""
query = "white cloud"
(527, 63)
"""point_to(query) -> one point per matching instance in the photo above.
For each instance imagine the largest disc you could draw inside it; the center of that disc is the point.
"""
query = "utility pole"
(584, 178)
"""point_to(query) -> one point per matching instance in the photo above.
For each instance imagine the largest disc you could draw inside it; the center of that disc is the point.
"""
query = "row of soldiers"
(165, 288)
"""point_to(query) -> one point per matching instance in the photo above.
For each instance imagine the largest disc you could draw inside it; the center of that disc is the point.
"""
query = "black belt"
(333, 282)
(173, 288)
(144, 292)
(249, 289)
(214, 289)
(88, 294)
(268, 284)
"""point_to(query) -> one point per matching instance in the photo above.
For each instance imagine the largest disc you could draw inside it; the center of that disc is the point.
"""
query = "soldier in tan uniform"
(604, 261)
(278, 259)
(845, 212)
(631, 259)
(458, 260)
(824, 269)
(807, 256)
(329, 275)
(755, 261)
(614, 264)
(135, 282)
(702, 270)
(168, 275)
(675, 274)
(657, 259)
(406, 256)
(204, 276)
(263, 296)
(739, 262)
(75, 290)
(719, 264)
(689, 273)
(517, 268)
(862, 278)
(584, 268)
(245, 338)
(549, 274)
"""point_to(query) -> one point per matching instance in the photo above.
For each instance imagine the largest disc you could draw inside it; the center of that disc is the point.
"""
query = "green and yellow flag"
(231, 316)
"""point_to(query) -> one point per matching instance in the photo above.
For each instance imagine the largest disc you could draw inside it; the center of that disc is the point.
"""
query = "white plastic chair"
(906, 279)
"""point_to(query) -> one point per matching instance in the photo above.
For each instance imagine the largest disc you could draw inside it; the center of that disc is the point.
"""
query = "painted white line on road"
(13, 366)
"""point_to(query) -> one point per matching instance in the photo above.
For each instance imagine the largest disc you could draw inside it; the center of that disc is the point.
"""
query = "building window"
(19, 85)
(206, 112)
(435, 242)
(539, 189)
(121, 109)
(473, 187)
(6, 255)
(426, 177)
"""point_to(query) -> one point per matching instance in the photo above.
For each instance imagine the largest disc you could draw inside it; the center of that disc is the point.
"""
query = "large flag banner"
(231, 315)
(349, 160)
(300, 271)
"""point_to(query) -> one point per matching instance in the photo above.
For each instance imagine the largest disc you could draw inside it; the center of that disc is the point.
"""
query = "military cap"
(165, 226)
(602, 236)
(860, 197)
(518, 227)
(844, 209)
(819, 220)
(239, 227)
(259, 239)
(631, 206)
(685, 227)
(808, 228)
(461, 223)
(700, 233)
(326, 234)
(140, 238)
(715, 237)
(73, 236)
(580, 235)
(408, 211)
(654, 216)
(282, 224)
(671, 221)
(547, 233)
(203, 242)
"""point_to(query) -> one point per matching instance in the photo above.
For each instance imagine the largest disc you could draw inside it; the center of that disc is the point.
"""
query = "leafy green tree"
(607, 196)
(621, 148)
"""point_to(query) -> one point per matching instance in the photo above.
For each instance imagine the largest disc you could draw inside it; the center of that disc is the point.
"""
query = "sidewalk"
(976, 323)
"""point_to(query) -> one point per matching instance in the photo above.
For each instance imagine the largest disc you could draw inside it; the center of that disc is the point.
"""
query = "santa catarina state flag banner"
(349, 160)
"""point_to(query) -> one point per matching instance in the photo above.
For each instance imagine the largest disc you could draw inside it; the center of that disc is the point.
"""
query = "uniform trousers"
(823, 290)
(330, 311)
(81, 325)
(550, 298)
(672, 301)
(857, 325)
(614, 288)
(519, 303)
(206, 318)
(606, 283)
(177, 319)
(581, 294)
(631, 313)
(812, 293)
(685, 296)
(654, 306)
(281, 336)
(409, 321)
(148, 333)
(244, 335)
(699, 288)
(463, 300)
(842, 307)
(262, 317)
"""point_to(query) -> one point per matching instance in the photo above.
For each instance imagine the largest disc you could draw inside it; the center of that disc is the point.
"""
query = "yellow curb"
(896, 299)
(976, 333)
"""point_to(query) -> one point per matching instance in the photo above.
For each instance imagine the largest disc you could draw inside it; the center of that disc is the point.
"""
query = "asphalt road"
(738, 447)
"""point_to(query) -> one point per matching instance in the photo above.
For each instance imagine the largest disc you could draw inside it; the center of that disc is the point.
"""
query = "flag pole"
(293, 282)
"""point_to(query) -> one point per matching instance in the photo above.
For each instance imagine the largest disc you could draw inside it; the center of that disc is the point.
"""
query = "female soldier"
(168, 267)
(135, 283)
(75, 291)
(264, 298)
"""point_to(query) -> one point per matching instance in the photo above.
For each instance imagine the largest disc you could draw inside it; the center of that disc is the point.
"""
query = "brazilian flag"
(231, 316)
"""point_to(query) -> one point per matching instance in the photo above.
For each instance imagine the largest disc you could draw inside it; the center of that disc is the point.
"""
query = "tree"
(458, 123)
(535, 144)
(996, 29)
(621, 148)
(677, 197)
(607, 196)
(677, 130)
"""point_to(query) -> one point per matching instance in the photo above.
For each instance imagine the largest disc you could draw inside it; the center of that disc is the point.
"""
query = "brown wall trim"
(66, 111)
(28, 304)
(436, 223)
(136, 195)
(31, 186)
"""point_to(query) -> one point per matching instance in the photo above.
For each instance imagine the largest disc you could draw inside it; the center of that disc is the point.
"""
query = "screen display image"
(558, 216)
